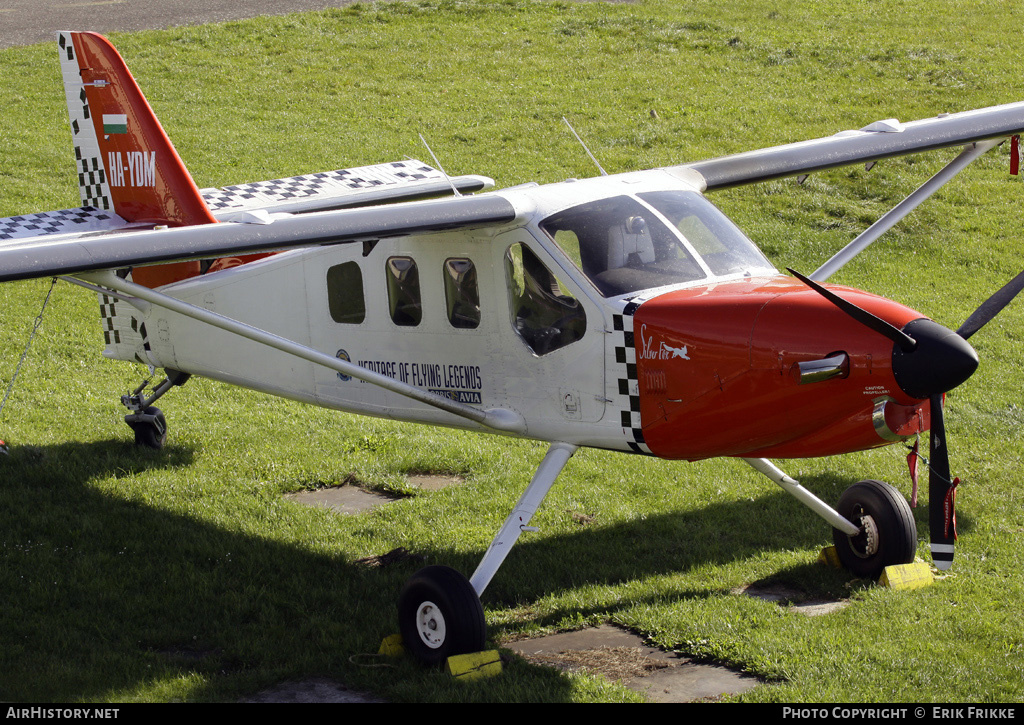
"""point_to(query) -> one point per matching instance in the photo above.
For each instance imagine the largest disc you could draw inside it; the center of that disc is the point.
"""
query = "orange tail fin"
(126, 162)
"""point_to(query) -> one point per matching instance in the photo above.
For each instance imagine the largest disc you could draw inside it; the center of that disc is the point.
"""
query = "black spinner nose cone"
(940, 361)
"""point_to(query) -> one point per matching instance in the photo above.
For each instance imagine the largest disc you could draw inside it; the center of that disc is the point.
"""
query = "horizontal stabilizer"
(398, 181)
(65, 221)
(345, 188)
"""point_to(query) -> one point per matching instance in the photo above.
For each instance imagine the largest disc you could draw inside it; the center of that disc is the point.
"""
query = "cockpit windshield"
(625, 244)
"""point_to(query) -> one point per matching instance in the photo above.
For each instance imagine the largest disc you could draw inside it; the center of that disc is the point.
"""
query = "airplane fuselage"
(621, 312)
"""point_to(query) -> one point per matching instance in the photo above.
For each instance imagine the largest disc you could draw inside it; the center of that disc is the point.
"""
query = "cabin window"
(404, 291)
(545, 315)
(345, 293)
(462, 294)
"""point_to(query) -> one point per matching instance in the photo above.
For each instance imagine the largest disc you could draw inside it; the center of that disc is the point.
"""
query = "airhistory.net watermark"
(62, 713)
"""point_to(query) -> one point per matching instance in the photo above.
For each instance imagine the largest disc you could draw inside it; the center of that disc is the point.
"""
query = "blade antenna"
(439, 167)
(592, 157)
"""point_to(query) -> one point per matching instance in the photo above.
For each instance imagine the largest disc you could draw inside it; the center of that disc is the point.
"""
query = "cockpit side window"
(345, 298)
(722, 246)
(622, 246)
(544, 314)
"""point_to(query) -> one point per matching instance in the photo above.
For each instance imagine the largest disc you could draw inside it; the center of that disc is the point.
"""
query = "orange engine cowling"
(719, 370)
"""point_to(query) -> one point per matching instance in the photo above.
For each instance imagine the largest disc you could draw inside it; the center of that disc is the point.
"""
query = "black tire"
(151, 434)
(439, 615)
(888, 533)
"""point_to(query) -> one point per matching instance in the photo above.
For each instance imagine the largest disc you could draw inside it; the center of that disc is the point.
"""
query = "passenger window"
(461, 294)
(544, 314)
(345, 293)
(404, 291)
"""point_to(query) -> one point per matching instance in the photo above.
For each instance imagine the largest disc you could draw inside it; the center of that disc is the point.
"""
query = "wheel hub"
(430, 625)
(865, 544)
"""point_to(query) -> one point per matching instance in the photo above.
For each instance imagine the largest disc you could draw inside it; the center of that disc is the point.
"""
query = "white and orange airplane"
(622, 312)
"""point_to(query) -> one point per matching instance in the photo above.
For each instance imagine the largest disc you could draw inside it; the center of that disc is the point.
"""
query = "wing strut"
(501, 419)
(886, 222)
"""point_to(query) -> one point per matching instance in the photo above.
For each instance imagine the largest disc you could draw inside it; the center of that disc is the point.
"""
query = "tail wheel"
(150, 427)
(888, 534)
(439, 615)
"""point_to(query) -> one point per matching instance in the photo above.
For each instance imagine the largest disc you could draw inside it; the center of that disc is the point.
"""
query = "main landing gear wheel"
(439, 615)
(888, 534)
(150, 427)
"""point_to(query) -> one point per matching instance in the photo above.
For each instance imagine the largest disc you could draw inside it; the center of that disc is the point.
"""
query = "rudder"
(126, 162)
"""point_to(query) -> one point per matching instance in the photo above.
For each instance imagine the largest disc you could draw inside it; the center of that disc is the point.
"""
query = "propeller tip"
(942, 556)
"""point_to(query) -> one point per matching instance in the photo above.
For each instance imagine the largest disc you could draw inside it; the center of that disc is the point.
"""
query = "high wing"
(59, 255)
(880, 140)
(976, 132)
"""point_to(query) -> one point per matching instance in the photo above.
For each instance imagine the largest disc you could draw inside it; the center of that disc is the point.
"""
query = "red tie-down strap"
(912, 460)
(949, 509)
(1014, 154)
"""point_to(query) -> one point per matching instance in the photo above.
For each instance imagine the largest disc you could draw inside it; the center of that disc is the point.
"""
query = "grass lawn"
(131, 575)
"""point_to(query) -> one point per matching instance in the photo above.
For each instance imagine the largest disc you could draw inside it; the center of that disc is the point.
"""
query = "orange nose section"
(719, 371)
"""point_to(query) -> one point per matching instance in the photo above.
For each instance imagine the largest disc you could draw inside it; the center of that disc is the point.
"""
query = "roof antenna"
(440, 168)
(598, 165)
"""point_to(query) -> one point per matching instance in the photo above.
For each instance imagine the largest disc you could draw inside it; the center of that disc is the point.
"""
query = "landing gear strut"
(872, 526)
(439, 610)
(148, 422)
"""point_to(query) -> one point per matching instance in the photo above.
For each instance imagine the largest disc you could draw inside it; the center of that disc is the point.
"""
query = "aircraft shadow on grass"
(139, 592)
(651, 546)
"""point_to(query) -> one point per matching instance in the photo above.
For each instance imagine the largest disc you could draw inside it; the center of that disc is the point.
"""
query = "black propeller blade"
(941, 491)
(991, 307)
(905, 341)
(927, 358)
(941, 486)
